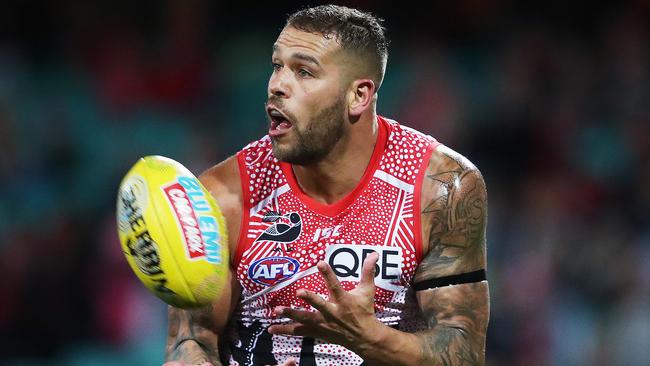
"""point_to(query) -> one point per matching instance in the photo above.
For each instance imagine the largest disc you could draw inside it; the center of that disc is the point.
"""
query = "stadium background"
(550, 101)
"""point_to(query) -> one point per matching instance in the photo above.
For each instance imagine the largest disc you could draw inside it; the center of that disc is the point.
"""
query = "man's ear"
(360, 97)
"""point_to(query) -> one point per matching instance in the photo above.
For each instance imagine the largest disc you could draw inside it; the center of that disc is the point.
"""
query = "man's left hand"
(346, 318)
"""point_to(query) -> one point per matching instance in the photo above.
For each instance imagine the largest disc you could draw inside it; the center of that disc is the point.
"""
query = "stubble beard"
(316, 140)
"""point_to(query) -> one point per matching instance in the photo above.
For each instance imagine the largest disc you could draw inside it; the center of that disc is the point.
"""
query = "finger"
(285, 311)
(301, 316)
(277, 311)
(291, 329)
(368, 271)
(281, 329)
(334, 287)
(322, 331)
(290, 362)
(315, 300)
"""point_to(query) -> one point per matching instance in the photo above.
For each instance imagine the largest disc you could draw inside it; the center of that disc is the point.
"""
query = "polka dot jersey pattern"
(380, 216)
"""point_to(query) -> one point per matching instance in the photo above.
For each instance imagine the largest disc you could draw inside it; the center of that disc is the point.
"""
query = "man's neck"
(341, 170)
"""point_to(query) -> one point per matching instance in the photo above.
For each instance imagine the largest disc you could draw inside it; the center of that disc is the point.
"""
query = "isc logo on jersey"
(272, 270)
(346, 261)
(188, 201)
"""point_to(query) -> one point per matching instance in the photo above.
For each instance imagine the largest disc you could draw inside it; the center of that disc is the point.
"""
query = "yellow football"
(172, 232)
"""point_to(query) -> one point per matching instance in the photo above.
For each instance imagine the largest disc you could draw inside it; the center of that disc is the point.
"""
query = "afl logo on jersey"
(272, 270)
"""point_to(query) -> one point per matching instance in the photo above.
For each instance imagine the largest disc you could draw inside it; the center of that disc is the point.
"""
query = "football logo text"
(200, 232)
(272, 270)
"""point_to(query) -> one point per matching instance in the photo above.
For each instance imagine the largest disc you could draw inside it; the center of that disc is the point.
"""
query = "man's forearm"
(191, 338)
(190, 352)
(457, 317)
(442, 345)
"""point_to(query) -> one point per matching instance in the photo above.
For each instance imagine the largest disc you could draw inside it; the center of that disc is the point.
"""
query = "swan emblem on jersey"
(284, 228)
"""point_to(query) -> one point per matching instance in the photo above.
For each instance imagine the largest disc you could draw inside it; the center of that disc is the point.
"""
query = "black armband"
(470, 277)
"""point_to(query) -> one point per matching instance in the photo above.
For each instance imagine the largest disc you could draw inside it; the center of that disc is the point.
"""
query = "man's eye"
(276, 67)
(304, 73)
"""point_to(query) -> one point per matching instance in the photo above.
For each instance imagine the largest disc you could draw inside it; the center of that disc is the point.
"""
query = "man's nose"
(278, 85)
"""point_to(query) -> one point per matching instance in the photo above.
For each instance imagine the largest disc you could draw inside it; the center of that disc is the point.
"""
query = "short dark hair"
(354, 30)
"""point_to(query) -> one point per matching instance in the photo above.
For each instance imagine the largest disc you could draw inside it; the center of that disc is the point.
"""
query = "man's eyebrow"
(300, 56)
(306, 58)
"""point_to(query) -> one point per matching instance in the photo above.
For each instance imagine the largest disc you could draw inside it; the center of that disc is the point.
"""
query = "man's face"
(306, 98)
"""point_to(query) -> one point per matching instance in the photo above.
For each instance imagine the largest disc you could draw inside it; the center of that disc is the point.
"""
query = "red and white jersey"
(285, 233)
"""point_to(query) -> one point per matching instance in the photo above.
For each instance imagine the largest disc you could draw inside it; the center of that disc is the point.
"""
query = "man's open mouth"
(280, 124)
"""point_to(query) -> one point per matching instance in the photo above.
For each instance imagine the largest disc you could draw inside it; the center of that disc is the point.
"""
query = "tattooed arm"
(455, 218)
(193, 335)
(453, 224)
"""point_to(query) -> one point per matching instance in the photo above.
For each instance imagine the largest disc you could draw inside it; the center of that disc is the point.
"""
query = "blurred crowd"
(551, 102)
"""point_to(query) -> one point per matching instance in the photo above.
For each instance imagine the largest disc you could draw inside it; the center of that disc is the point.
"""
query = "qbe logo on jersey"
(272, 270)
(346, 261)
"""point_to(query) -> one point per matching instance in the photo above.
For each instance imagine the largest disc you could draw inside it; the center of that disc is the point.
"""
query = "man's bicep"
(454, 218)
(450, 282)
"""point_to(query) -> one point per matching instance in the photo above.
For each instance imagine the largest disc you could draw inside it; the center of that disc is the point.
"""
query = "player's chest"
(285, 240)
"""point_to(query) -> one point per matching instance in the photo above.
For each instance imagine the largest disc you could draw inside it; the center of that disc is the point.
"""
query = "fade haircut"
(356, 31)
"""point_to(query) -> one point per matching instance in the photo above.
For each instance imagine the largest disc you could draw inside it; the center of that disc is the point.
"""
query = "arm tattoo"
(457, 317)
(191, 336)
(455, 220)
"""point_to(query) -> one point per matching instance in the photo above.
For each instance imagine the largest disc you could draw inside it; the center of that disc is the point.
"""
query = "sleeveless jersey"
(284, 233)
